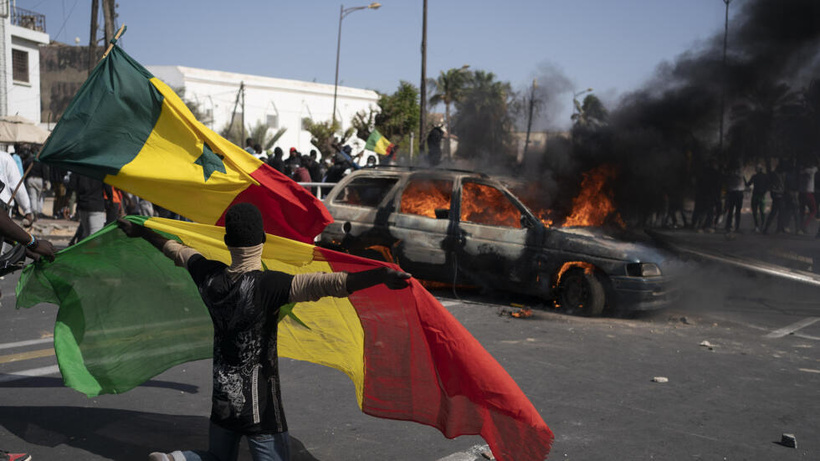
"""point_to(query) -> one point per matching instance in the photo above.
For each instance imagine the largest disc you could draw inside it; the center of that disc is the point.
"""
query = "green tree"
(323, 135)
(396, 119)
(447, 89)
(483, 120)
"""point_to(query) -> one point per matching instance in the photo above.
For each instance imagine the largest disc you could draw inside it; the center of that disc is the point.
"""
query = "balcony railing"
(28, 19)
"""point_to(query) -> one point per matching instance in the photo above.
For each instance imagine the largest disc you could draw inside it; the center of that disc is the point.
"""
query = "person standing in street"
(244, 302)
(735, 185)
(91, 203)
(760, 182)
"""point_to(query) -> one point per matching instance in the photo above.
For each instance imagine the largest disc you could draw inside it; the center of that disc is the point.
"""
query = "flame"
(594, 205)
(487, 205)
(425, 197)
(587, 267)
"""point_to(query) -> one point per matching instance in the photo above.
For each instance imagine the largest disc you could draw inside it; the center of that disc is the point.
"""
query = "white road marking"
(18, 375)
(450, 303)
(30, 342)
(781, 332)
(809, 370)
(469, 455)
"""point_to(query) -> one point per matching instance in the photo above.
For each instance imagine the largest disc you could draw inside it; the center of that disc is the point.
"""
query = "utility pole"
(242, 139)
(723, 86)
(423, 105)
(4, 14)
(92, 38)
(110, 17)
(529, 119)
(235, 105)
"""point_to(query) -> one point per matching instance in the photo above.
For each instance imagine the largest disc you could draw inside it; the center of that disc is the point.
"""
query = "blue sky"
(612, 46)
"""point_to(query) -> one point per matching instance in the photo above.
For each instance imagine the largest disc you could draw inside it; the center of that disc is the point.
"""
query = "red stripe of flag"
(287, 209)
(422, 365)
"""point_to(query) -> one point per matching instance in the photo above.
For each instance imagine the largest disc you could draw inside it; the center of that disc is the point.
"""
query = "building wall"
(63, 70)
(23, 97)
(276, 102)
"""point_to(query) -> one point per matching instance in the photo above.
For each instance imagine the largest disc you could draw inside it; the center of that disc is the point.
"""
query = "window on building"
(19, 63)
(273, 122)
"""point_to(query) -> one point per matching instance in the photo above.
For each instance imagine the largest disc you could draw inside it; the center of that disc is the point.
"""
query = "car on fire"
(461, 227)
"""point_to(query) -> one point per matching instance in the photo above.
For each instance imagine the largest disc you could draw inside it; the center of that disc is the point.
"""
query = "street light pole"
(575, 99)
(423, 86)
(723, 86)
(342, 13)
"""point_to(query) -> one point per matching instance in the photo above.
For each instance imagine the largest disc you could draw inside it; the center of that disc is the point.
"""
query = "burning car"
(461, 227)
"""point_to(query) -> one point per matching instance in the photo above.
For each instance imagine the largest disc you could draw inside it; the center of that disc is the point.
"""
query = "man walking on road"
(244, 303)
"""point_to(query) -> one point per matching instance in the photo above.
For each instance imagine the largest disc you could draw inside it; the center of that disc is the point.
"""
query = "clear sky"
(612, 46)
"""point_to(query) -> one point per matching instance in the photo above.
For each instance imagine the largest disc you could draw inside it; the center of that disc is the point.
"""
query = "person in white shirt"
(10, 176)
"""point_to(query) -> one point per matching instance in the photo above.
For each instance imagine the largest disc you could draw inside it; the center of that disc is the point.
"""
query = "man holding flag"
(244, 302)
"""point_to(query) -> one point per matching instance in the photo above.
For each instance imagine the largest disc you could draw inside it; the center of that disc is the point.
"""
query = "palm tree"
(448, 88)
(483, 119)
(759, 119)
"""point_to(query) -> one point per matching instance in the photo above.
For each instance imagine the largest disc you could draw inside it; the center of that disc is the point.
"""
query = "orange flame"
(425, 197)
(487, 205)
(594, 205)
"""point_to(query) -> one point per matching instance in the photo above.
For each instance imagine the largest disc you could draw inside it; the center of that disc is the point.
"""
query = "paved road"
(591, 379)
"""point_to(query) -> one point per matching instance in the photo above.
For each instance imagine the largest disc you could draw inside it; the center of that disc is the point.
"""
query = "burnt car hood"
(598, 242)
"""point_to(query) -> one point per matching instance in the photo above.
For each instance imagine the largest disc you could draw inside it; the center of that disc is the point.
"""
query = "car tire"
(580, 293)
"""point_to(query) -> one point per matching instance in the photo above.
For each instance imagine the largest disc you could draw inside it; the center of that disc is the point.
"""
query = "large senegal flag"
(127, 314)
(129, 129)
(379, 144)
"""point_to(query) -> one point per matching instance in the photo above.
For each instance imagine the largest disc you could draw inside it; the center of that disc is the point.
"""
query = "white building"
(276, 102)
(21, 33)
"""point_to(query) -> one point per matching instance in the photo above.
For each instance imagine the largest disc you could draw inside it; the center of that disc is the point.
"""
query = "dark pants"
(759, 210)
(734, 201)
(224, 446)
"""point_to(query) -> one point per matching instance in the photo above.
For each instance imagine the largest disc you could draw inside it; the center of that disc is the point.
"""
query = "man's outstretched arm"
(174, 250)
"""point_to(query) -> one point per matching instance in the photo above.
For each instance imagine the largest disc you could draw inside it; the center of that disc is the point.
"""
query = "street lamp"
(575, 99)
(342, 13)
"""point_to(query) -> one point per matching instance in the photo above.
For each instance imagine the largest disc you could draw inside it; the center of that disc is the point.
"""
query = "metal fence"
(28, 19)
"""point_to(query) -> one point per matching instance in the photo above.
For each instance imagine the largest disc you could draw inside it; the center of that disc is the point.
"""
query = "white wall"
(288, 100)
(24, 97)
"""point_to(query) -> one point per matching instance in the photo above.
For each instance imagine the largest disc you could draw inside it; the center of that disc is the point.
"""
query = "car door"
(422, 226)
(496, 236)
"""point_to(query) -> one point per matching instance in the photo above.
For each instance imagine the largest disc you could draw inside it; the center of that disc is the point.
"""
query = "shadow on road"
(40, 382)
(116, 434)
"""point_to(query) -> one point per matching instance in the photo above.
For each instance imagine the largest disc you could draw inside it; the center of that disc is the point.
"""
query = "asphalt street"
(739, 351)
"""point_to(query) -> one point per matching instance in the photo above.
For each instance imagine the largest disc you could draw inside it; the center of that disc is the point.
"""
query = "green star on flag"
(210, 162)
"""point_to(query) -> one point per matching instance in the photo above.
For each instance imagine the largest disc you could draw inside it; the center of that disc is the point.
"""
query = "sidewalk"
(791, 256)
(57, 231)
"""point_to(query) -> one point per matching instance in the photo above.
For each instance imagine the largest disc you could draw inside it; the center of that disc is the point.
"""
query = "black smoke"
(659, 136)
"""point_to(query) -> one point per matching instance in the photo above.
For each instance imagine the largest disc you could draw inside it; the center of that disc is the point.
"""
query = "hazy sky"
(612, 46)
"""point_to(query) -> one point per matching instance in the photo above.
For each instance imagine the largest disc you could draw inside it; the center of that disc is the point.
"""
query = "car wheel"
(581, 293)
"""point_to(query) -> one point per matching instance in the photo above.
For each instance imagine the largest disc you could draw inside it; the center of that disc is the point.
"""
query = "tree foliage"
(396, 118)
(483, 121)
(323, 135)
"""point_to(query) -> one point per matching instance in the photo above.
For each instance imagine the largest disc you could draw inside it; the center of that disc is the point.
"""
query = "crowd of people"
(94, 204)
(310, 168)
(782, 200)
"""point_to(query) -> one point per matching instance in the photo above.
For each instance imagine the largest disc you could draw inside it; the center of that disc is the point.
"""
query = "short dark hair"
(244, 226)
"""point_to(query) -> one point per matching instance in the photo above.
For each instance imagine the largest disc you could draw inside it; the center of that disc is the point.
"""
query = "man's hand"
(41, 248)
(395, 280)
(130, 229)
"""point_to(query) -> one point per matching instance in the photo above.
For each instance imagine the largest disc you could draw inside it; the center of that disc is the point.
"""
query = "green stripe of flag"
(108, 121)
